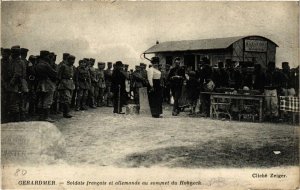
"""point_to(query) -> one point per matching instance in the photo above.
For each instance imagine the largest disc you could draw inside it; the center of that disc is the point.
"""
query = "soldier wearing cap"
(66, 85)
(108, 74)
(65, 59)
(55, 105)
(144, 72)
(100, 86)
(17, 85)
(5, 54)
(94, 81)
(46, 77)
(176, 78)
(138, 82)
(118, 87)
(82, 83)
(32, 84)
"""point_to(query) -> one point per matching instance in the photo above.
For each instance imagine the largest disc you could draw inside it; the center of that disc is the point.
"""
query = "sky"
(112, 31)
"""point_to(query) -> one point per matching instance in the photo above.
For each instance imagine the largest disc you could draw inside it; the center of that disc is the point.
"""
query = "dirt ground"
(101, 138)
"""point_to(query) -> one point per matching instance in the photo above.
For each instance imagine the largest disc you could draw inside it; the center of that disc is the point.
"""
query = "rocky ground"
(98, 137)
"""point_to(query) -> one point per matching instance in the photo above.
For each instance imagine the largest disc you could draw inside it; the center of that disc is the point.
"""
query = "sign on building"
(256, 45)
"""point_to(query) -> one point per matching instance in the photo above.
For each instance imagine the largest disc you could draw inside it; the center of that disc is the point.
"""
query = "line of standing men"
(40, 86)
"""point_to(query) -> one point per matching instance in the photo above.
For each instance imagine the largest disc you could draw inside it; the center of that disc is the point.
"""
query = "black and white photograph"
(150, 95)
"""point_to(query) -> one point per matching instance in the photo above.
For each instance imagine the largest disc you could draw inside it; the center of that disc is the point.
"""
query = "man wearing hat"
(46, 77)
(118, 87)
(94, 80)
(108, 75)
(100, 86)
(176, 77)
(271, 88)
(5, 54)
(154, 89)
(144, 72)
(55, 104)
(65, 59)
(82, 83)
(138, 82)
(221, 76)
(66, 85)
(17, 85)
(32, 84)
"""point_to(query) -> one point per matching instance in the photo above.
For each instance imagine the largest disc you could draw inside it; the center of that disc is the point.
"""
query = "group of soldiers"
(271, 82)
(37, 86)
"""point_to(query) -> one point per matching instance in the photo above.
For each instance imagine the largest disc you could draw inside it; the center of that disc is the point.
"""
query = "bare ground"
(98, 137)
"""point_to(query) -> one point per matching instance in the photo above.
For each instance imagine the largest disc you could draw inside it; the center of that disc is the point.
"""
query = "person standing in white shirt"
(155, 90)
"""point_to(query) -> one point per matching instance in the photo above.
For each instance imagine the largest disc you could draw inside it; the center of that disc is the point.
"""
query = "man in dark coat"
(94, 81)
(5, 54)
(17, 85)
(176, 78)
(32, 84)
(221, 77)
(46, 77)
(66, 85)
(259, 78)
(118, 87)
(108, 74)
(272, 86)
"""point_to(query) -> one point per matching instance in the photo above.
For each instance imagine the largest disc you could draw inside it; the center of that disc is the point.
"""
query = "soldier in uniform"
(55, 105)
(108, 75)
(17, 85)
(176, 77)
(32, 84)
(118, 87)
(94, 82)
(138, 82)
(65, 59)
(144, 72)
(5, 54)
(66, 85)
(46, 77)
(100, 87)
(82, 83)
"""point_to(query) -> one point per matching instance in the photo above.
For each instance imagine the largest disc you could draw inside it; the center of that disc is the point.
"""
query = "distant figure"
(108, 75)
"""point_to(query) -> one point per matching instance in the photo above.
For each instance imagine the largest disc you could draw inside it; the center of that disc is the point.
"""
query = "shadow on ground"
(218, 155)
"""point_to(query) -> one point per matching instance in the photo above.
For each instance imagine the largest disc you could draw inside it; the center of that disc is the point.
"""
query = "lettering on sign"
(256, 45)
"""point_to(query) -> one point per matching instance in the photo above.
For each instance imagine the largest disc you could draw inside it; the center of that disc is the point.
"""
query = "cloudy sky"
(124, 30)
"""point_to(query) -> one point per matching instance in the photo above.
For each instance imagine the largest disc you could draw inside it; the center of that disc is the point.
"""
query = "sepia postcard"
(150, 95)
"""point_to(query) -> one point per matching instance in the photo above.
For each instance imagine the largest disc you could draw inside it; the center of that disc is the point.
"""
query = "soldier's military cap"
(126, 65)
(16, 46)
(92, 59)
(5, 51)
(285, 63)
(86, 59)
(44, 53)
(142, 64)
(15, 50)
(109, 63)
(65, 55)
(154, 60)
(119, 63)
(137, 67)
(24, 50)
(71, 57)
(101, 63)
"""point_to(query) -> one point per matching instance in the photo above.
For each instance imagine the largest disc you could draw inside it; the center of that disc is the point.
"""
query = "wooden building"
(242, 49)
